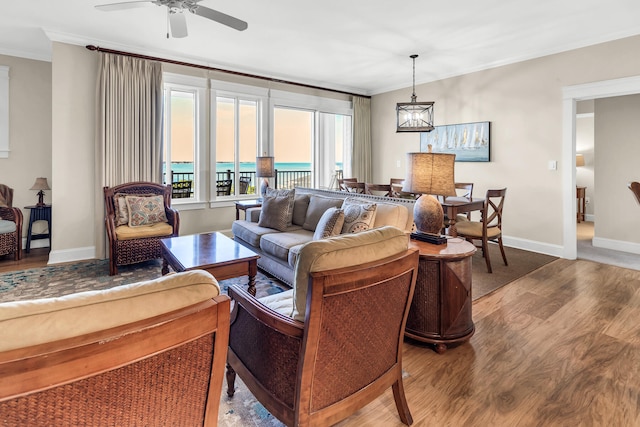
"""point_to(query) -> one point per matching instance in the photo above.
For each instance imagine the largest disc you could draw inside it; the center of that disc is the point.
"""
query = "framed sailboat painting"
(470, 142)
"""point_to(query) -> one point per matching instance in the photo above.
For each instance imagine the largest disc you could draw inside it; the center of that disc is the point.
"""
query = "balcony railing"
(283, 180)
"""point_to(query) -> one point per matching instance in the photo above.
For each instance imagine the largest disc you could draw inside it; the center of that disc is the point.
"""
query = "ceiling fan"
(175, 15)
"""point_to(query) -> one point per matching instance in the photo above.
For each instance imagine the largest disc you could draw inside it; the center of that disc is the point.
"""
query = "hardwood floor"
(559, 347)
(37, 257)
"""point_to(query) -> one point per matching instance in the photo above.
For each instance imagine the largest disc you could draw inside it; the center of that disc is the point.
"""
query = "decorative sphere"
(428, 215)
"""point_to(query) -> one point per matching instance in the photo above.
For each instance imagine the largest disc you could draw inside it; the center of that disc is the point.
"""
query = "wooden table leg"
(165, 266)
(253, 271)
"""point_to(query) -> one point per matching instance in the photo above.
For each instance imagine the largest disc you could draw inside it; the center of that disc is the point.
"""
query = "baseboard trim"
(533, 246)
(71, 255)
(616, 245)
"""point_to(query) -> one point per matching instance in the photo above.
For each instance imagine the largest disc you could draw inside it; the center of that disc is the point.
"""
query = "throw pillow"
(145, 210)
(120, 207)
(277, 209)
(317, 206)
(330, 224)
(359, 215)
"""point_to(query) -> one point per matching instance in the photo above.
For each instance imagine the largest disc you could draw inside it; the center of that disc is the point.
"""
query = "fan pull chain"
(168, 23)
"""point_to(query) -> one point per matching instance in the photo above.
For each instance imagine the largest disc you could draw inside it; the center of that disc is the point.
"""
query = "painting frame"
(470, 142)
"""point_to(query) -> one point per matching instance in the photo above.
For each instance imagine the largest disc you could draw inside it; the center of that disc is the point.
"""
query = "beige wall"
(52, 117)
(616, 163)
(29, 132)
(523, 102)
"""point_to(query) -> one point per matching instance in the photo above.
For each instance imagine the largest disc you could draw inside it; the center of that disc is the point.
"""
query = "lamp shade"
(430, 173)
(40, 184)
(579, 159)
(265, 167)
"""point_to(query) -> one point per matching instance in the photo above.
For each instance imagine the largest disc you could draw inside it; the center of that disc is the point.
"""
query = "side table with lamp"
(39, 212)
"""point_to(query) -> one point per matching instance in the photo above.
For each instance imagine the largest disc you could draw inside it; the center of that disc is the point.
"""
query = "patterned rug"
(92, 275)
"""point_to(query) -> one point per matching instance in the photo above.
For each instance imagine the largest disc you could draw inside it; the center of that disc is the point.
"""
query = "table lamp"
(429, 174)
(41, 185)
(265, 169)
(579, 160)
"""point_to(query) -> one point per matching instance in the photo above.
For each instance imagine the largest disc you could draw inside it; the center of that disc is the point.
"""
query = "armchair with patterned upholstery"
(10, 225)
(317, 353)
(138, 215)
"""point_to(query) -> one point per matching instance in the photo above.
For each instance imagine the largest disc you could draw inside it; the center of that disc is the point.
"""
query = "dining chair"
(489, 228)
(341, 182)
(354, 187)
(377, 189)
(396, 189)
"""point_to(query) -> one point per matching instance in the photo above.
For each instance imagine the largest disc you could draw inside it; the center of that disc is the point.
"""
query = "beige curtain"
(361, 149)
(128, 126)
(129, 119)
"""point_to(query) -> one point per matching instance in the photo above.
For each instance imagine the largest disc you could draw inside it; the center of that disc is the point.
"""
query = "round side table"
(440, 312)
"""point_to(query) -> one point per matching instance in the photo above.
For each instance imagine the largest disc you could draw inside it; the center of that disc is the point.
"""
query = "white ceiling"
(351, 45)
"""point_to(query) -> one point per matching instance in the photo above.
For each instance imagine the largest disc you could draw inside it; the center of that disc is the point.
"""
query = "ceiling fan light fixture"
(414, 116)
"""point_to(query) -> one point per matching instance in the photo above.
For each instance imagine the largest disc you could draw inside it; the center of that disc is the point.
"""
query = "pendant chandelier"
(414, 116)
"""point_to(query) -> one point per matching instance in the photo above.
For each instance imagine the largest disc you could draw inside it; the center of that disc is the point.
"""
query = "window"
(312, 139)
(4, 111)
(238, 135)
(183, 131)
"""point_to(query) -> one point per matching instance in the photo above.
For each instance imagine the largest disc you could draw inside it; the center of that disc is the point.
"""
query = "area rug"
(92, 275)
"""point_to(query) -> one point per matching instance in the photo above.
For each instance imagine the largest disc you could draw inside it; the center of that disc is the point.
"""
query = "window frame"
(198, 86)
(238, 92)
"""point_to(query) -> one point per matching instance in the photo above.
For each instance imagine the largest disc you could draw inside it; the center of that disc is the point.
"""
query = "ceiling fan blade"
(124, 5)
(178, 24)
(220, 17)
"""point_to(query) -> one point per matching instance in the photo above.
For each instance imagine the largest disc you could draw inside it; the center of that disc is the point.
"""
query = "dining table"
(452, 206)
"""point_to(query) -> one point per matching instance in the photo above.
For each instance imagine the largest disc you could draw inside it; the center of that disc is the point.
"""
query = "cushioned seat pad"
(474, 228)
(124, 232)
(7, 226)
(278, 244)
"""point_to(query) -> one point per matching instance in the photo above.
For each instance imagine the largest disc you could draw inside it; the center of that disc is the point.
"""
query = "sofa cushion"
(317, 206)
(294, 251)
(359, 215)
(330, 224)
(300, 206)
(342, 251)
(277, 209)
(32, 322)
(391, 214)
(278, 244)
(250, 232)
(159, 229)
(145, 210)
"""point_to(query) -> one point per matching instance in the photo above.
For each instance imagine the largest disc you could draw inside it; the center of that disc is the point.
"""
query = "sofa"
(148, 353)
(278, 240)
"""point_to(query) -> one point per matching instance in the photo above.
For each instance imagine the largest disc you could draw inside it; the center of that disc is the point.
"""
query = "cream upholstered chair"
(151, 353)
(133, 244)
(319, 352)
(489, 228)
(10, 225)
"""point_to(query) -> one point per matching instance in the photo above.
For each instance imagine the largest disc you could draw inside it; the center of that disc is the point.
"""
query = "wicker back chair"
(346, 353)
(127, 250)
(165, 368)
(10, 225)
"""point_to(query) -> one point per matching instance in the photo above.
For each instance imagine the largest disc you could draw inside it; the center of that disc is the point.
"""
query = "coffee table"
(213, 252)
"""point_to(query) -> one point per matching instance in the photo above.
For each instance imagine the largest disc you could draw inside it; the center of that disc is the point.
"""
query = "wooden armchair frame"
(11, 243)
(124, 252)
(166, 370)
(346, 353)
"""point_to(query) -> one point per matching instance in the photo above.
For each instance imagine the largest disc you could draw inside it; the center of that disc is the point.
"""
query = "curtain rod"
(204, 67)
